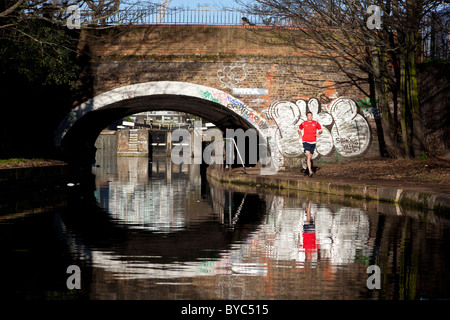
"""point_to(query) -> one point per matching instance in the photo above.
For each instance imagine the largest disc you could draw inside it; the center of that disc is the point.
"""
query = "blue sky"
(194, 3)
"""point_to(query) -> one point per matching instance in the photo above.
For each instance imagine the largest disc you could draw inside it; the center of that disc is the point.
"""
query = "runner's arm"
(319, 128)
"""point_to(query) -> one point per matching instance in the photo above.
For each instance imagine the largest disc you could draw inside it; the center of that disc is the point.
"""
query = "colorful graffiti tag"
(344, 129)
(368, 110)
(236, 105)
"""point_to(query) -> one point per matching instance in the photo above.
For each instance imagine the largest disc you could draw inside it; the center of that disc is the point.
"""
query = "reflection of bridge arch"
(134, 250)
(77, 133)
(112, 240)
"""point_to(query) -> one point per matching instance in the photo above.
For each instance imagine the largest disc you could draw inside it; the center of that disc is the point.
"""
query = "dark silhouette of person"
(246, 22)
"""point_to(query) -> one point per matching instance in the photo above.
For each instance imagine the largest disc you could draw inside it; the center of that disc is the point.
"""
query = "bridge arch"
(77, 133)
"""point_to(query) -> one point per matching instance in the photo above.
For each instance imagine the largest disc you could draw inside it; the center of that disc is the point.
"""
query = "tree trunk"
(411, 118)
(377, 89)
(404, 107)
(417, 131)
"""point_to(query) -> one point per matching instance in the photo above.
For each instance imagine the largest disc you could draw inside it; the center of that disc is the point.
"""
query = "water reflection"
(153, 226)
(164, 205)
(153, 230)
(235, 232)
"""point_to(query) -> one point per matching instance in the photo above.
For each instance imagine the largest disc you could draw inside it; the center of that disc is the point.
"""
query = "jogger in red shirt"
(310, 129)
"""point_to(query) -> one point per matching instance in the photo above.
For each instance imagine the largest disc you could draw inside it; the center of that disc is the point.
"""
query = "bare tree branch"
(11, 9)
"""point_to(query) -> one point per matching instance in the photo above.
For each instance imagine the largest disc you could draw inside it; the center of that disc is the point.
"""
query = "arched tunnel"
(78, 132)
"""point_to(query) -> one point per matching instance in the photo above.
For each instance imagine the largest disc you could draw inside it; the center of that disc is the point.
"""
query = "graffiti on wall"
(344, 129)
(368, 110)
(256, 120)
(148, 89)
(235, 105)
(230, 76)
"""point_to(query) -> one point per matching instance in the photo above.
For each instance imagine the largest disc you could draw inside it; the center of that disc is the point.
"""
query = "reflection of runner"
(309, 244)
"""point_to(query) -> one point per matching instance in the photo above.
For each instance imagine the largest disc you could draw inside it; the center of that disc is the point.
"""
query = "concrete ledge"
(32, 176)
(132, 154)
(409, 198)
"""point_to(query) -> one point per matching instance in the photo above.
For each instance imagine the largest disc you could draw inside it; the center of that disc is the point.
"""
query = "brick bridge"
(226, 76)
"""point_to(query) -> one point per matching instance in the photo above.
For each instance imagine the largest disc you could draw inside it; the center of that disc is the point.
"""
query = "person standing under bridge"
(310, 129)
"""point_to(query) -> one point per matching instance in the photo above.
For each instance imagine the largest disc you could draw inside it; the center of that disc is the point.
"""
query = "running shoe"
(304, 165)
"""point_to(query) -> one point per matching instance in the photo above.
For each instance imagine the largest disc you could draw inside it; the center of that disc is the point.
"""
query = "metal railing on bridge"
(213, 16)
(203, 15)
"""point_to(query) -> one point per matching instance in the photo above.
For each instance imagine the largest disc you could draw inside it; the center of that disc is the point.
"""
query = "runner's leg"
(308, 161)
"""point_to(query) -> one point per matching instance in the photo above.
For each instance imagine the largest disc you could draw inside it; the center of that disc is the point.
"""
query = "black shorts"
(309, 147)
(309, 227)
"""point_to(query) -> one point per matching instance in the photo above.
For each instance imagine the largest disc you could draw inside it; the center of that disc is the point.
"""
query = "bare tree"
(93, 13)
(103, 8)
(384, 57)
(35, 42)
(24, 20)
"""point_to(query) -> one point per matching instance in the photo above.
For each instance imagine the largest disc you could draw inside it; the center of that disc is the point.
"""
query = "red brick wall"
(212, 56)
(203, 55)
(178, 40)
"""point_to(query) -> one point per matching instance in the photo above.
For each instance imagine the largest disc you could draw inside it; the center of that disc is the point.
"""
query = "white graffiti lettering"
(230, 76)
(343, 128)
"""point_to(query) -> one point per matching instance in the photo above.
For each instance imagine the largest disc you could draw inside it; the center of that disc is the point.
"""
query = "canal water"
(149, 229)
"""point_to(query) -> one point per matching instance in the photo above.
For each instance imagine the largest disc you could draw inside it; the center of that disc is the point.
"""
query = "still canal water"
(154, 230)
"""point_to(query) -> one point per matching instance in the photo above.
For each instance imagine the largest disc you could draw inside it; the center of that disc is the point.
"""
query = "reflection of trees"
(409, 261)
(266, 249)
(399, 240)
(259, 236)
(409, 250)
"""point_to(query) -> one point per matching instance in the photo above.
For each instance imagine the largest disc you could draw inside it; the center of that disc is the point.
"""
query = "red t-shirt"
(310, 130)
(309, 241)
